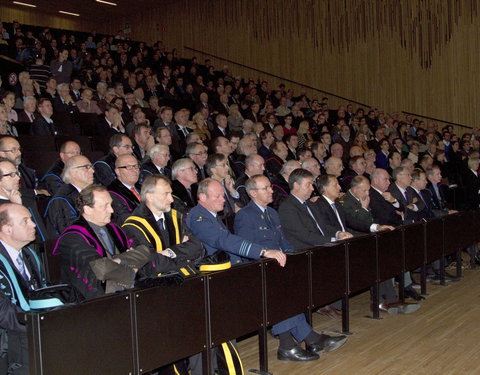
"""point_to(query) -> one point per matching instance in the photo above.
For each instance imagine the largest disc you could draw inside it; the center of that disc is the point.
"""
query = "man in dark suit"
(17, 230)
(326, 207)
(10, 149)
(410, 205)
(125, 189)
(28, 113)
(266, 138)
(386, 210)
(221, 127)
(301, 227)
(184, 185)
(260, 223)
(157, 163)
(198, 153)
(43, 123)
(434, 194)
(112, 123)
(471, 183)
(64, 103)
(9, 192)
(93, 241)
(161, 229)
(181, 131)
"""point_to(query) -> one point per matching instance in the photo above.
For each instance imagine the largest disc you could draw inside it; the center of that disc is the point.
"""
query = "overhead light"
(106, 2)
(69, 13)
(25, 4)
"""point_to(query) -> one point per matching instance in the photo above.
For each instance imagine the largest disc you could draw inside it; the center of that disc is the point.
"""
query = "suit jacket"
(471, 184)
(299, 227)
(215, 236)
(9, 309)
(216, 132)
(323, 210)
(123, 201)
(77, 252)
(23, 117)
(264, 152)
(281, 190)
(356, 217)
(186, 252)
(148, 169)
(383, 212)
(409, 215)
(424, 210)
(253, 224)
(105, 130)
(182, 200)
(40, 126)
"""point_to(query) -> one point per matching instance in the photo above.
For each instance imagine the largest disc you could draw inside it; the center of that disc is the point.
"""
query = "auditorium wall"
(416, 56)
(35, 17)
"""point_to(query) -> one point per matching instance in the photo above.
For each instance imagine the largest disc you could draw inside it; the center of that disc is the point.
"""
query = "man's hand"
(314, 199)
(365, 202)
(185, 239)
(13, 196)
(452, 212)
(42, 192)
(385, 227)
(278, 255)
(388, 197)
(344, 235)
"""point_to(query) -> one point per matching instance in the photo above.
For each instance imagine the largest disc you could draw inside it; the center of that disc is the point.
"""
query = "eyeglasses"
(130, 167)
(11, 174)
(13, 150)
(128, 147)
(201, 153)
(86, 166)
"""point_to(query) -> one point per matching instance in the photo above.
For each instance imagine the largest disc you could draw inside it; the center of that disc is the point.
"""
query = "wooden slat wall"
(29, 16)
(417, 56)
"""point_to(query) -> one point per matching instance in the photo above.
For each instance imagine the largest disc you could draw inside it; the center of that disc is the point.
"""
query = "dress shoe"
(391, 310)
(408, 308)
(327, 344)
(448, 277)
(330, 312)
(296, 354)
(412, 293)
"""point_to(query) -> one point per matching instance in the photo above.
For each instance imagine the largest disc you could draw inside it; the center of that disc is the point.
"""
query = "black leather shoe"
(330, 343)
(296, 354)
(412, 293)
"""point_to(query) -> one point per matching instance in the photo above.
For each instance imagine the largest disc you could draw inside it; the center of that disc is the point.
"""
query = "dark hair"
(212, 161)
(86, 197)
(323, 181)
(297, 176)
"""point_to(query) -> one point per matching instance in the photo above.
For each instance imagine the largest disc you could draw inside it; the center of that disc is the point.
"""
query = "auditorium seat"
(84, 142)
(39, 162)
(37, 143)
(88, 123)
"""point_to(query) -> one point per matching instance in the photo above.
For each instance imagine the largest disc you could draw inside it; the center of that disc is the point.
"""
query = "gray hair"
(180, 165)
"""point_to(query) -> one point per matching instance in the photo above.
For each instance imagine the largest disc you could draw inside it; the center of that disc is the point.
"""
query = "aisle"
(439, 339)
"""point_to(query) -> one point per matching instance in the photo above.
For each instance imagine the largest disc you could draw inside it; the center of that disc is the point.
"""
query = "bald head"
(16, 226)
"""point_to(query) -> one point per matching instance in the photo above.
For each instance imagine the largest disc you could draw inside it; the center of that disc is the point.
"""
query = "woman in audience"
(6, 128)
(303, 133)
(8, 100)
(200, 127)
(235, 119)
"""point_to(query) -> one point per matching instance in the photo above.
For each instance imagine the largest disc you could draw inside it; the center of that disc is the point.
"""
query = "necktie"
(132, 189)
(107, 241)
(21, 267)
(189, 192)
(163, 232)
(313, 217)
(405, 195)
(334, 208)
(268, 219)
(32, 117)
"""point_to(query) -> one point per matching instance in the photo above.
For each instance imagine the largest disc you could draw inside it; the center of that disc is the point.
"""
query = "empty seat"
(37, 143)
(84, 142)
